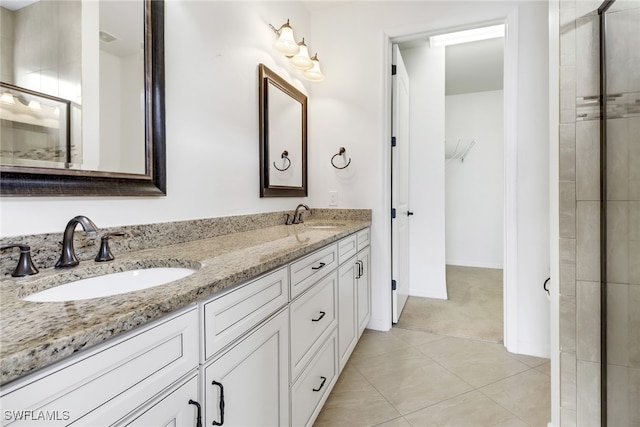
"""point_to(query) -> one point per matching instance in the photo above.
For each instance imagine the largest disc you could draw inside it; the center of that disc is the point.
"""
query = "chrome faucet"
(297, 217)
(68, 256)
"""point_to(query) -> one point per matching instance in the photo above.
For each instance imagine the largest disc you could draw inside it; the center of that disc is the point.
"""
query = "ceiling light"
(466, 36)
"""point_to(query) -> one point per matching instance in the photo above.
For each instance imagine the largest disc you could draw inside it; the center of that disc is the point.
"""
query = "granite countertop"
(36, 334)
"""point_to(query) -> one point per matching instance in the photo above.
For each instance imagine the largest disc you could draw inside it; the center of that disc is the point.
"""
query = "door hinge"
(393, 213)
(394, 70)
(393, 141)
(393, 285)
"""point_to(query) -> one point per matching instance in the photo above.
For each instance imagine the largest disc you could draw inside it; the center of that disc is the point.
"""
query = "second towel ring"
(285, 156)
(340, 153)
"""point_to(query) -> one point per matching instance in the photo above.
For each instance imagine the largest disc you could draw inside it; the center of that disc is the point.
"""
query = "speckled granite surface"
(34, 335)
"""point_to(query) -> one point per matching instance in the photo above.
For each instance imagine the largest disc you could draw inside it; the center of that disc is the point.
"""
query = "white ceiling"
(470, 67)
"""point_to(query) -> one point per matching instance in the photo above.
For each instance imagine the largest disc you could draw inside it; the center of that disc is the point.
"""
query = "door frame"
(510, 238)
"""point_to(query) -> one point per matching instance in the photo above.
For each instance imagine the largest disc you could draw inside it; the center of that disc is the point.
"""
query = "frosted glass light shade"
(35, 105)
(302, 61)
(286, 43)
(314, 74)
(7, 98)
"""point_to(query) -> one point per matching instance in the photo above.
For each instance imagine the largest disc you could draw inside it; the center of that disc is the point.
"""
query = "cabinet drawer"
(313, 317)
(346, 248)
(106, 384)
(229, 316)
(364, 238)
(306, 271)
(309, 393)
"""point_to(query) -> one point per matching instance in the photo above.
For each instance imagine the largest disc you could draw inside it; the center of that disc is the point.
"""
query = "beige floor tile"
(410, 380)
(527, 395)
(530, 360)
(476, 362)
(545, 368)
(473, 310)
(351, 380)
(471, 409)
(360, 408)
(415, 337)
(396, 422)
(374, 343)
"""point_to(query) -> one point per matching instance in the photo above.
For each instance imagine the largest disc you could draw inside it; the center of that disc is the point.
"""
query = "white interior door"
(400, 184)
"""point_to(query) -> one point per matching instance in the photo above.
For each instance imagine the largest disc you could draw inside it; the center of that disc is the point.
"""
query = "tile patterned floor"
(415, 378)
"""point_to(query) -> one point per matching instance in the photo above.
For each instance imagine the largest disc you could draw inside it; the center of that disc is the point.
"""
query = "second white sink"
(110, 284)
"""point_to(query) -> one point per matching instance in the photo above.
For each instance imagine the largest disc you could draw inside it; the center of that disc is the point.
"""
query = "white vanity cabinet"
(106, 384)
(264, 353)
(354, 293)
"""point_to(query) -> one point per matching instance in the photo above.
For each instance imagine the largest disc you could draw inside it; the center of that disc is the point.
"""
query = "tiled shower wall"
(580, 226)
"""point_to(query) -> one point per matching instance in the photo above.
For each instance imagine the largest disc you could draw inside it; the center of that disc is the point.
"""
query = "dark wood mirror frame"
(26, 181)
(266, 77)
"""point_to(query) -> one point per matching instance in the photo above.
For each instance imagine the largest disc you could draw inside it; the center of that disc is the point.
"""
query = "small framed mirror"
(283, 137)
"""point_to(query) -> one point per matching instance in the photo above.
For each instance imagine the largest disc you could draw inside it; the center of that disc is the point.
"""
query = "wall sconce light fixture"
(298, 53)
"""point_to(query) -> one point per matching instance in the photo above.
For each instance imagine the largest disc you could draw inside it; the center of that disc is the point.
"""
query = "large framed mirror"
(95, 126)
(283, 137)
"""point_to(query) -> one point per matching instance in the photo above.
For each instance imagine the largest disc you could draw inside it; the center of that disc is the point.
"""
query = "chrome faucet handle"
(288, 219)
(104, 254)
(25, 265)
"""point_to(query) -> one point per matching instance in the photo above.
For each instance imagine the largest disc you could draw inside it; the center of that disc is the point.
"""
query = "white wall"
(212, 53)
(426, 68)
(475, 187)
(351, 104)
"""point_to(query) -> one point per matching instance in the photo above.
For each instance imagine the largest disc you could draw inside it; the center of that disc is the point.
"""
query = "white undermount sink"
(111, 284)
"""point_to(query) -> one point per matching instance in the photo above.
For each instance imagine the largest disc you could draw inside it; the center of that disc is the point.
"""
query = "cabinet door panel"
(254, 378)
(171, 410)
(364, 289)
(347, 308)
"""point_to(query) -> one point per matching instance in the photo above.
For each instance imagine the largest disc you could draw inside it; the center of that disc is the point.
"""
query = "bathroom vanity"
(263, 330)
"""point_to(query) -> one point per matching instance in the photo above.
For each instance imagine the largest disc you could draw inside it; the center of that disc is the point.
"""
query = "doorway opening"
(457, 174)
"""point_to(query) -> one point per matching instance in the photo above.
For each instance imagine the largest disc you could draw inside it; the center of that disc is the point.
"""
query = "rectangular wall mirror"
(283, 137)
(82, 98)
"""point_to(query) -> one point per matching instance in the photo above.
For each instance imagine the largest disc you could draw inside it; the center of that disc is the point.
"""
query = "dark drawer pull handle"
(324, 379)
(322, 264)
(322, 313)
(199, 416)
(215, 423)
